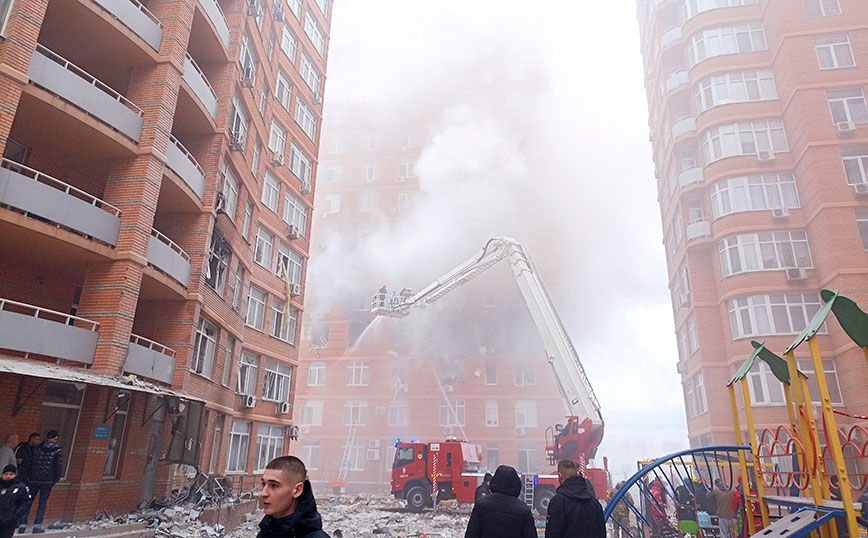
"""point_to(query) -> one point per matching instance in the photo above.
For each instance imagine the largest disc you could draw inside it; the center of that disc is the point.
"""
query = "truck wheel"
(542, 500)
(417, 498)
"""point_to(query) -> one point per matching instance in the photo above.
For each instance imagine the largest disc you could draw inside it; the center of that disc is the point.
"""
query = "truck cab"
(454, 464)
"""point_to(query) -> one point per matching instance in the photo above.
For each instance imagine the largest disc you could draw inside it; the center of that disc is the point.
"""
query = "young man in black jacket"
(47, 470)
(288, 502)
(501, 514)
(574, 511)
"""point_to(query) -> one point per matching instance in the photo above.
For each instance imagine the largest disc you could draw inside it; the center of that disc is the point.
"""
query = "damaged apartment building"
(155, 199)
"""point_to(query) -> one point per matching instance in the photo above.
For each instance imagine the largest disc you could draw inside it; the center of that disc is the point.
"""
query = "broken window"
(247, 373)
(204, 347)
(218, 262)
(116, 435)
(238, 444)
(275, 386)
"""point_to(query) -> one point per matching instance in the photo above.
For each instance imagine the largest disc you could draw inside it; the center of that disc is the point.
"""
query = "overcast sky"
(546, 139)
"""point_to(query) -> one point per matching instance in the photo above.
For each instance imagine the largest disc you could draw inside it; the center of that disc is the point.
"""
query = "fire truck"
(457, 463)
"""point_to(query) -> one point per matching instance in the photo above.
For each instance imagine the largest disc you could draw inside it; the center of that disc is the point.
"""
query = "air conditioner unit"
(278, 12)
(374, 443)
(248, 400)
(448, 430)
(780, 212)
(765, 155)
(380, 411)
(317, 98)
(283, 408)
(400, 179)
(304, 429)
(845, 126)
(292, 231)
(247, 76)
(491, 423)
(483, 350)
(448, 388)
(861, 188)
(796, 273)
(405, 389)
(277, 158)
(295, 290)
(373, 454)
(293, 432)
(236, 140)
(520, 431)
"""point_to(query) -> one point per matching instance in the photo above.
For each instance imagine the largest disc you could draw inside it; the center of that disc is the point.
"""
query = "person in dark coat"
(47, 470)
(484, 488)
(14, 501)
(574, 511)
(288, 502)
(501, 514)
(25, 454)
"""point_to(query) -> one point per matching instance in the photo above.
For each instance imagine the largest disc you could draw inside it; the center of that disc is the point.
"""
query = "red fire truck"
(458, 463)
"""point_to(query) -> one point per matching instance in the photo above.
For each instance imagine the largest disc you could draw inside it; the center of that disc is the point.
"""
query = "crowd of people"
(30, 471)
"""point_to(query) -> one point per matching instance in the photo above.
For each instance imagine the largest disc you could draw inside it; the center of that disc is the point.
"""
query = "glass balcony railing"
(137, 18)
(31, 329)
(169, 258)
(180, 161)
(200, 86)
(150, 359)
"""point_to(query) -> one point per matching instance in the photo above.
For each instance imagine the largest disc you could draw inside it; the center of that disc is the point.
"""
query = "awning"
(79, 375)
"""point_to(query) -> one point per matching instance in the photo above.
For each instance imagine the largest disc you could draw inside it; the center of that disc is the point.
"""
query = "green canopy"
(816, 322)
(777, 364)
(853, 320)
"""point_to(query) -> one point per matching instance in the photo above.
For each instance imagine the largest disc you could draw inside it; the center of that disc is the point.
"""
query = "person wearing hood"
(14, 501)
(484, 488)
(47, 470)
(501, 514)
(288, 502)
(574, 511)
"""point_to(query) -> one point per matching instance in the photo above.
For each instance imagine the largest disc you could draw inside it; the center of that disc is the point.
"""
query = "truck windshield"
(403, 457)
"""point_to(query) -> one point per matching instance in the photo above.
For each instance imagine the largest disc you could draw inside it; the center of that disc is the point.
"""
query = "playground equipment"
(795, 479)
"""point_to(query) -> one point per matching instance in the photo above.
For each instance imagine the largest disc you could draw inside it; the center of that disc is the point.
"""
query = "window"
(492, 456)
(688, 338)
(218, 262)
(60, 411)
(275, 387)
(822, 8)
(452, 413)
(254, 162)
(780, 313)
(528, 460)
(269, 445)
(357, 373)
(355, 413)
(238, 121)
(263, 100)
(238, 291)
(740, 87)
(334, 173)
(289, 259)
(807, 367)
(372, 172)
(491, 419)
(754, 193)
(295, 7)
(309, 73)
(300, 164)
(525, 413)
(319, 336)
(248, 214)
(239, 439)
(323, 7)
(215, 443)
(862, 224)
(746, 138)
(355, 459)
(691, 8)
(524, 376)
(331, 203)
(680, 288)
(227, 361)
(311, 413)
(764, 387)
(367, 201)
(204, 347)
(699, 394)
(855, 164)
(283, 90)
(277, 140)
(313, 31)
(230, 192)
(833, 51)
(116, 435)
(490, 371)
(310, 455)
(5, 10)
(764, 251)
(288, 42)
(405, 201)
(247, 373)
(337, 145)
(848, 105)
(281, 327)
(270, 192)
(255, 308)
(304, 118)
(689, 402)
(373, 142)
(248, 60)
(726, 40)
(398, 414)
(295, 212)
(316, 372)
(264, 246)
(269, 52)
(407, 170)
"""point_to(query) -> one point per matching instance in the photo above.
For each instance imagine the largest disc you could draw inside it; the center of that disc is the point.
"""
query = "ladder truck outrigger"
(577, 440)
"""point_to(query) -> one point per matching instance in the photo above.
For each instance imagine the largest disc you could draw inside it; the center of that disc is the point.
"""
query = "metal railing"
(174, 246)
(150, 344)
(189, 155)
(96, 83)
(45, 179)
(201, 74)
(39, 312)
(147, 12)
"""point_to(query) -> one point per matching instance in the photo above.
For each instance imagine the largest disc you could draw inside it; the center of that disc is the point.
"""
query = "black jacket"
(305, 522)
(14, 497)
(25, 453)
(47, 463)
(574, 512)
(501, 514)
(481, 492)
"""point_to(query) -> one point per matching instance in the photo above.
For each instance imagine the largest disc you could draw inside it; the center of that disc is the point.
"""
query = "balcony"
(137, 18)
(150, 359)
(683, 126)
(34, 330)
(44, 196)
(71, 83)
(179, 160)
(691, 176)
(200, 86)
(670, 36)
(698, 228)
(169, 258)
(677, 79)
(217, 18)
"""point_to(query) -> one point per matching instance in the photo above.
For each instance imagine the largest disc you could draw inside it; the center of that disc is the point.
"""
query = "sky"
(542, 135)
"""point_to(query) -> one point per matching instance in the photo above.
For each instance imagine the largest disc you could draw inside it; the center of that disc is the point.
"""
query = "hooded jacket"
(501, 514)
(574, 512)
(14, 501)
(304, 522)
(47, 463)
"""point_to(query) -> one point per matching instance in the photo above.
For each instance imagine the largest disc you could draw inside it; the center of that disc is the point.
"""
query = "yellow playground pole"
(824, 482)
(760, 487)
(742, 464)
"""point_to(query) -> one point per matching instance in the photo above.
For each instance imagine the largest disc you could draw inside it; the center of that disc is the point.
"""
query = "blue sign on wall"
(101, 432)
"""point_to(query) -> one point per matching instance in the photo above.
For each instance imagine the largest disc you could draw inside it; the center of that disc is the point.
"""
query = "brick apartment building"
(471, 367)
(759, 127)
(157, 176)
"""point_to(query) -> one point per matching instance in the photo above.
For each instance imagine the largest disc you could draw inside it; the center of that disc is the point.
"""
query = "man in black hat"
(47, 471)
(14, 501)
(484, 488)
